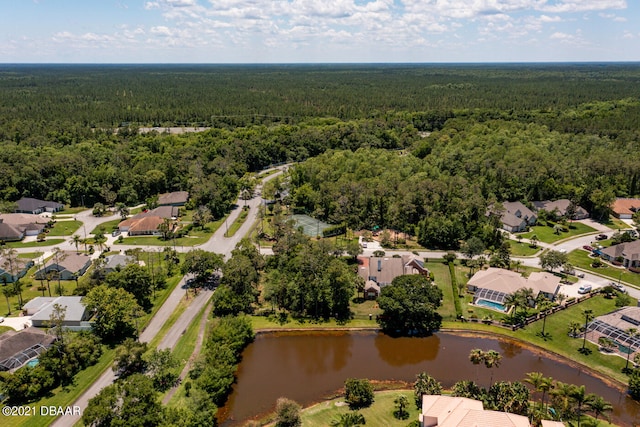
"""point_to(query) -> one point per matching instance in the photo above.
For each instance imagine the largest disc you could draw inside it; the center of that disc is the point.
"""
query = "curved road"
(217, 243)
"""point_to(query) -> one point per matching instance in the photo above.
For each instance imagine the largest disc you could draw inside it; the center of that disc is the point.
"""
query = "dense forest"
(464, 135)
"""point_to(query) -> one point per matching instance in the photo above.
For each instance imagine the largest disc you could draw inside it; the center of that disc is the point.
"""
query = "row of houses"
(516, 217)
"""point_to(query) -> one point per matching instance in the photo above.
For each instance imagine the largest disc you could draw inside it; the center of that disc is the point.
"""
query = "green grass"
(48, 242)
(615, 223)
(379, 414)
(70, 211)
(240, 219)
(580, 258)
(107, 227)
(195, 237)
(64, 228)
(29, 255)
(169, 322)
(521, 249)
(546, 234)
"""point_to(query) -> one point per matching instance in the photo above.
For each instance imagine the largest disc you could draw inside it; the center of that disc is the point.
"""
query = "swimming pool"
(492, 305)
(33, 362)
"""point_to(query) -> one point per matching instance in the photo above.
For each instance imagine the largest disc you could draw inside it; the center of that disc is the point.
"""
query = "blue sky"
(307, 31)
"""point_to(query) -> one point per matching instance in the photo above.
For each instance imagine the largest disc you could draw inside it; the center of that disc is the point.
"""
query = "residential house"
(12, 270)
(115, 262)
(450, 411)
(378, 272)
(146, 223)
(515, 217)
(26, 224)
(615, 326)
(35, 206)
(492, 286)
(560, 207)
(41, 308)
(10, 233)
(68, 266)
(176, 198)
(624, 208)
(17, 348)
(627, 253)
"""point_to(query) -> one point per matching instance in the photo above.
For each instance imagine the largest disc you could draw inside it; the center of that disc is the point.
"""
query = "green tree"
(132, 402)
(588, 315)
(76, 240)
(115, 312)
(409, 306)
(201, 264)
(350, 419)
(551, 260)
(161, 366)
(358, 393)
(128, 358)
(425, 384)
(401, 402)
(136, 280)
(634, 384)
(287, 413)
(632, 332)
(598, 406)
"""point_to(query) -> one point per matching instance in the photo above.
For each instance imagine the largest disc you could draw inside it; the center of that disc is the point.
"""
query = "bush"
(287, 413)
(358, 393)
(334, 230)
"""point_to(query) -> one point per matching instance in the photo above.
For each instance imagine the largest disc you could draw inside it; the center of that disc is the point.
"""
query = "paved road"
(219, 244)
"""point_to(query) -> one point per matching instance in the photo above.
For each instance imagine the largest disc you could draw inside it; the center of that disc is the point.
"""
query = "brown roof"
(10, 231)
(383, 270)
(625, 206)
(149, 223)
(12, 342)
(73, 262)
(175, 198)
(630, 250)
(22, 219)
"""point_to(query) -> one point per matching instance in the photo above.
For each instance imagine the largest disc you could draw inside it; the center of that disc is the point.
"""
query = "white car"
(619, 287)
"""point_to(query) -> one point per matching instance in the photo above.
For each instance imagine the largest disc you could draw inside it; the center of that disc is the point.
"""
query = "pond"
(309, 366)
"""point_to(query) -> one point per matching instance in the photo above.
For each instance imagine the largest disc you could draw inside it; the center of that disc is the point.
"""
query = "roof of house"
(452, 411)
(174, 198)
(75, 310)
(73, 262)
(148, 223)
(22, 219)
(113, 261)
(624, 206)
(19, 264)
(509, 216)
(12, 342)
(10, 231)
(560, 206)
(629, 250)
(384, 269)
(370, 284)
(621, 318)
(506, 281)
(164, 212)
(30, 204)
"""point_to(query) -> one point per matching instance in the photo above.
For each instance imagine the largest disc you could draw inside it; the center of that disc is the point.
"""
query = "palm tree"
(492, 359)
(512, 300)
(534, 240)
(7, 291)
(562, 398)
(401, 403)
(349, 419)
(58, 256)
(76, 240)
(476, 356)
(632, 332)
(580, 398)
(544, 305)
(546, 385)
(535, 379)
(588, 315)
(574, 327)
(598, 406)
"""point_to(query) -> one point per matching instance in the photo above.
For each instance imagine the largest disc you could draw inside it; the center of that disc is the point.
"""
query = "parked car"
(587, 248)
(584, 289)
(601, 237)
(1, 319)
(580, 274)
(618, 287)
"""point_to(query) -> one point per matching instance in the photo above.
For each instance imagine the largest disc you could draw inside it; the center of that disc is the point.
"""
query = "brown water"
(310, 366)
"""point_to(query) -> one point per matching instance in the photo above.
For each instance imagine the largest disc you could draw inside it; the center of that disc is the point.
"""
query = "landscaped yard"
(195, 237)
(546, 234)
(107, 227)
(380, 414)
(580, 258)
(64, 228)
(521, 249)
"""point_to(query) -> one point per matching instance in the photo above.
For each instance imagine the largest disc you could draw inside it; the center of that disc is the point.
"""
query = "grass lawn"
(581, 258)
(240, 219)
(64, 228)
(380, 414)
(29, 255)
(615, 223)
(48, 242)
(546, 234)
(195, 237)
(107, 227)
(520, 249)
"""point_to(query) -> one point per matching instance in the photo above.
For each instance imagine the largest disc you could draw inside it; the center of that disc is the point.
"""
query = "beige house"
(449, 411)
(492, 286)
(614, 326)
(559, 207)
(624, 208)
(515, 217)
(628, 252)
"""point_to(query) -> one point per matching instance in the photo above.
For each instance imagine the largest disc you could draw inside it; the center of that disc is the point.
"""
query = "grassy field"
(240, 219)
(48, 242)
(107, 227)
(580, 258)
(380, 414)
(547, 235)
(64, 228)
(523, 249)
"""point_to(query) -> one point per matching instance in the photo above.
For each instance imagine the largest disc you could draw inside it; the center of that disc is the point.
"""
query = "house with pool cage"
(492, 286)
(622, 327)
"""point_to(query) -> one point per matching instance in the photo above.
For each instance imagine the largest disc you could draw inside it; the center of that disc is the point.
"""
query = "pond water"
(309, 366)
